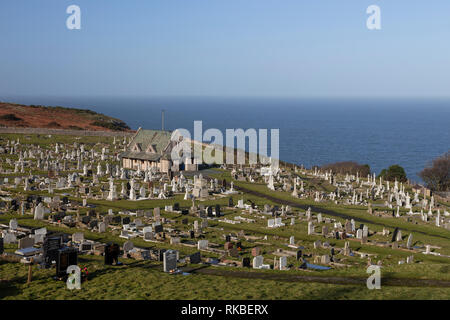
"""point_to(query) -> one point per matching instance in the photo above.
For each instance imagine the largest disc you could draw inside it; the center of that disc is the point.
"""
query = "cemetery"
(138, 229)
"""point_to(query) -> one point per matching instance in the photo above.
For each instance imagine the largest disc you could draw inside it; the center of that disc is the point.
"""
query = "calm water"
(312, 131)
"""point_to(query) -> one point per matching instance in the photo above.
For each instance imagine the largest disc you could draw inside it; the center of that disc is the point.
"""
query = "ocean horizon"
(313, 131)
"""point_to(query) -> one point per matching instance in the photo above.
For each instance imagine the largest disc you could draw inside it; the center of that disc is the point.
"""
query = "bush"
(10, 117)
(437, 176)
(113, 125)
(394, 172)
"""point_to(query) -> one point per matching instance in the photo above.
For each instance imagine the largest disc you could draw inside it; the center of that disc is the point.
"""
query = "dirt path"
(387, 281)
(323, 210)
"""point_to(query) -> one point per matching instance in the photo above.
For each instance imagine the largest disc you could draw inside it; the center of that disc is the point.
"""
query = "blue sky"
(225, 48)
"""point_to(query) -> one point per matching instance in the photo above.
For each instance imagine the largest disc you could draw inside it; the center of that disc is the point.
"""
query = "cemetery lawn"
(144, 280)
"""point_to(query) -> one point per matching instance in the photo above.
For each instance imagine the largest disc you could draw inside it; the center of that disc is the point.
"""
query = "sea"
(312, 131)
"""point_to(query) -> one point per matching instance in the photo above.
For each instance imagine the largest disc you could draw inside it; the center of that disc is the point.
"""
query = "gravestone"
(39, 235)
(218, 213)
(26, 242)
(9, 238)
(257, 262)
(246, 262)
(13, 224)
(283, 263)
(409, 242)
(128, 246)
(202, 244)
(126, 220)
(66, 257)
(195, 258)
(156, 212)
(394, 235)
(169, 260)
(85, 220)
(161, 254)
(159, 228)
(101, 227)
(39, 212)
(51, 247)
(116, 219)
(112, 252)
(148, 236)
(1, 245)
(78, 237)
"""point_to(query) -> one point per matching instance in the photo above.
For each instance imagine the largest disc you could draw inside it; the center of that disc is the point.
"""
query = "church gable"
(136, 147)
(151, 148)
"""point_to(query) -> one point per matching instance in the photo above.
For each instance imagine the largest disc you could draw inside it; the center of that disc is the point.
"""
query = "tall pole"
(162, 120)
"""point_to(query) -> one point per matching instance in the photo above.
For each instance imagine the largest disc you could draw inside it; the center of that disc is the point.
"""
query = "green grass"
(145, 280)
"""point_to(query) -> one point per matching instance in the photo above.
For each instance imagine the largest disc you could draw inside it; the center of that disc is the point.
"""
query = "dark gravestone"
(161, 254)
(394, 235)
(332, 251)
(51, 247)
(238, 245)
(86, 246)
(116, 219)
(159, 228)
(126, 220)
(195, 258)
(299, 254)
(246, 262)
(209, 211)
(224, 183)
(112, 252)
(93, 224)
(230, 202)
(337, 235)
(227, 238)
(58, 217)
(65, 200)
(184, 212)
(38, 199)
(86, 190)
(66, 257)
(1, 246)
(217, 210)
(85, 219)
(192, 234)
(176, 206)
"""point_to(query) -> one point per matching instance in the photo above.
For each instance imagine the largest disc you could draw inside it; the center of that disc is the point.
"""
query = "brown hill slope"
(15, 115)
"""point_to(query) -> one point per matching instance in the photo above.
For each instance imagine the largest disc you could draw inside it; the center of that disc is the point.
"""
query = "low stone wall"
(66, 132)
(442, 196)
